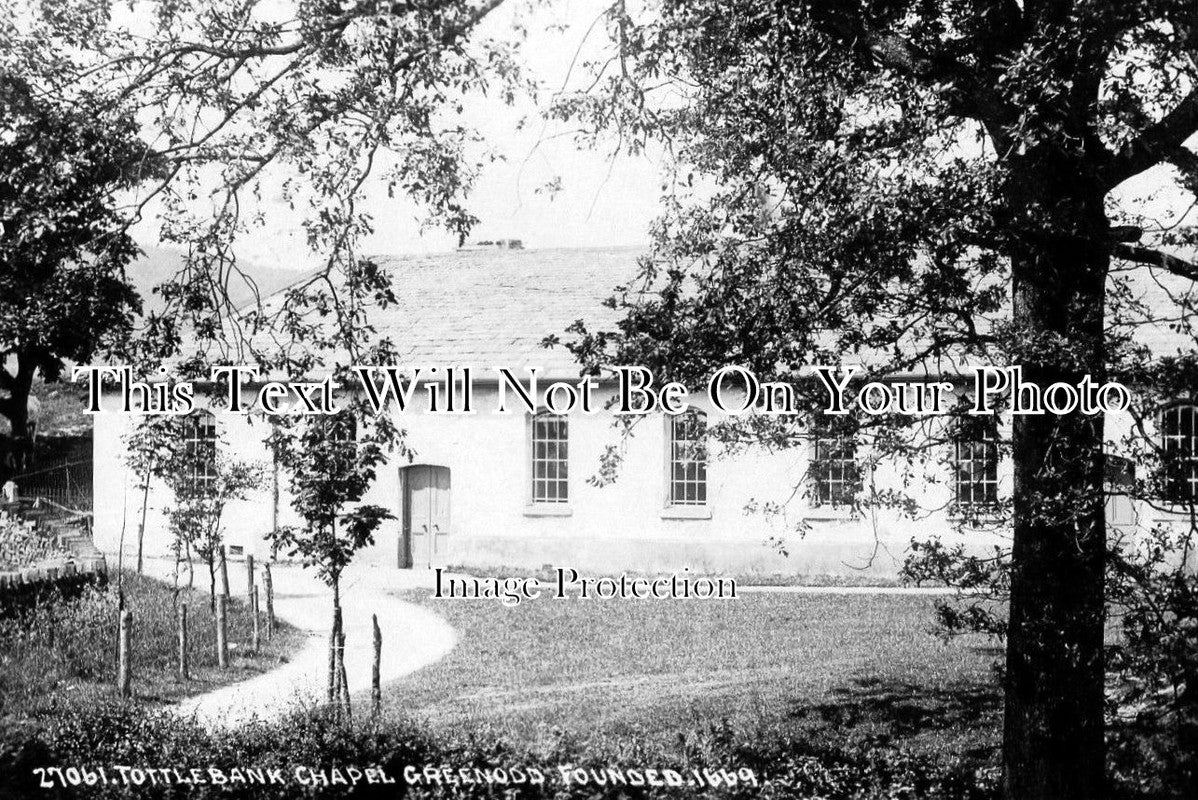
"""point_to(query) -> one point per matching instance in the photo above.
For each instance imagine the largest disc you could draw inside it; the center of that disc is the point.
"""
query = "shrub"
(112, 735)
(57, 640)
(62, 649)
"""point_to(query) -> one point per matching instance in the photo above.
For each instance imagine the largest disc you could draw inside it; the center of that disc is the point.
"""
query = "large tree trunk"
(1053, 746)
(1053, 733)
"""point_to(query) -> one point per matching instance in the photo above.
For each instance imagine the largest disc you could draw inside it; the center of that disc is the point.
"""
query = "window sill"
(980, 518)
(686, 512)
(830, 513)
(977, 523)
(548, 510)
(1179, 513)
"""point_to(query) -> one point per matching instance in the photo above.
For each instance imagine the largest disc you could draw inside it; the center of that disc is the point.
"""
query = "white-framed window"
(199, 451)
(975, 466)
(1179, 453)
(687, 453)
(835, 474)
(550, 439)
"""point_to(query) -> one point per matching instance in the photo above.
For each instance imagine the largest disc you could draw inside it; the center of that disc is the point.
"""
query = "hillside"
(158, 264)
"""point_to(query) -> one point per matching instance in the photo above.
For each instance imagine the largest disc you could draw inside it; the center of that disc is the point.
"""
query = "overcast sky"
(602, 201)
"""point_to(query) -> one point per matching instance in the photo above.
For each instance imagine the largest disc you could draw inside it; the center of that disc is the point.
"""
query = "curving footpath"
(413, 637)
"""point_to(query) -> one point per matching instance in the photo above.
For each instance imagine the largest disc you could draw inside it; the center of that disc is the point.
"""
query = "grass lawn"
(64, 653)
(859, 668)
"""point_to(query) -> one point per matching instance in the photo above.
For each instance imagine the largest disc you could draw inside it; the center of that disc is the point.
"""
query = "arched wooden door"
(426, 519)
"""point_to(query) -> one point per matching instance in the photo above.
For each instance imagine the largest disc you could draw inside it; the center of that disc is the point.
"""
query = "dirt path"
(412, 638)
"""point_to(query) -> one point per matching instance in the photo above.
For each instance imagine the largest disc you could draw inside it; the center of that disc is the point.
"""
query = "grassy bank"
(62, 654)
(852, 667)
(841, 697)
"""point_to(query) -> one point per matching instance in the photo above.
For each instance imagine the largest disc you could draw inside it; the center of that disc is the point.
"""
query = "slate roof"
(494, 307)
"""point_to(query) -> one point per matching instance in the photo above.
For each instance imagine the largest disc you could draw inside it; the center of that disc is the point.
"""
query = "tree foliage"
(920, 187)
(205, 109)
(63, 243)
(331, 461)
(202, 479)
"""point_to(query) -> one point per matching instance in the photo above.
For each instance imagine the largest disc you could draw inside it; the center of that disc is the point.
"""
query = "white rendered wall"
(622, 526)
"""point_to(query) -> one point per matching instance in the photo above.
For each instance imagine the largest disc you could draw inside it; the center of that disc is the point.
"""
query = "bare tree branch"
(1186, 161)
(1157, 143)
(1156, 258)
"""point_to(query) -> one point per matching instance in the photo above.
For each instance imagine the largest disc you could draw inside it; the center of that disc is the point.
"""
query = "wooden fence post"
(183, 641)
(124, 674)
(249, 579)
(222, 643)
(224, 571)
(344, 682)
(376, 692)
(270, 603)
(333, 683)
(254, 611)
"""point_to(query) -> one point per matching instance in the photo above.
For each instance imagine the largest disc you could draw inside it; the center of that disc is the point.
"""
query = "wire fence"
(67, 484)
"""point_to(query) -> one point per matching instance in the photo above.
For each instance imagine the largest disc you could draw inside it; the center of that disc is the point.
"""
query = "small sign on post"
(224, 572)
